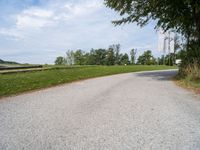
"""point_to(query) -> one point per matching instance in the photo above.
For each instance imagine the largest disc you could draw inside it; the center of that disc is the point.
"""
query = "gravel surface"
(120, 112)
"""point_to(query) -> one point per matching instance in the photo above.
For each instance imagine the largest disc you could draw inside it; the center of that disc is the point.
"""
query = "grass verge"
(189, 84)
(189, 77)
(11, 84)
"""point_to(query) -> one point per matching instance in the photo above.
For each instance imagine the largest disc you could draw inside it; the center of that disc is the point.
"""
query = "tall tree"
(70, 57)
(161, 61)
(92, 57)
(169, 59)
(182, 16)
(110, 56)
(133, 53)
(116, 49)
(125, 59)
(60, 60)
(146, 58)
(100, 56)
(79, 57)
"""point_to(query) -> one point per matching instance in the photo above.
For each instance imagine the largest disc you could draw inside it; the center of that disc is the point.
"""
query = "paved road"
(120, 112)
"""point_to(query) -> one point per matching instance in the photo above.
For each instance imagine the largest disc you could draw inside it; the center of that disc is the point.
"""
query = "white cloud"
(44, 32)
(38, 12)
(34, 18)
(11, 33)
(83, 8)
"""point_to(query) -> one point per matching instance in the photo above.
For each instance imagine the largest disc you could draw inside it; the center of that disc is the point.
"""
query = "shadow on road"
(160, 75)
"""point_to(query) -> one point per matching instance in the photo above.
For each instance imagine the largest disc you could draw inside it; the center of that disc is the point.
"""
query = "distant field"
(15, 83)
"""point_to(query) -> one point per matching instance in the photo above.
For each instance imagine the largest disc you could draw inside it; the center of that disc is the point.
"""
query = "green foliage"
(97, 57)
(161, 61)
(192, 54)
(125, 59)
(180, 15)
(133, 53)
(191, 71)
(69, 57)
(146, 58)
(60, 60)
(79, 57)
(110, 56)
(116, 49)
(170, 59)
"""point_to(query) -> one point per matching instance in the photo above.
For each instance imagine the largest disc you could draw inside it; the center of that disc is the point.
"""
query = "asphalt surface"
(119, 112)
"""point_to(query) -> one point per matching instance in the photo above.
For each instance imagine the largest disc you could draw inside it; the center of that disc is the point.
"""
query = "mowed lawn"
(15, 83)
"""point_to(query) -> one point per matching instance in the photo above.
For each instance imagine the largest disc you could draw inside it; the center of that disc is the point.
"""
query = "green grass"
(189, 76)
(11, 84)
(188, 83)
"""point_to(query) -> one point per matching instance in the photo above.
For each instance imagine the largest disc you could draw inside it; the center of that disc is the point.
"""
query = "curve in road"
(127, 111)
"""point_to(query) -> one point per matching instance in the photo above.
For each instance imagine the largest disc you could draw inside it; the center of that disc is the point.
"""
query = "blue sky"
(37, 31)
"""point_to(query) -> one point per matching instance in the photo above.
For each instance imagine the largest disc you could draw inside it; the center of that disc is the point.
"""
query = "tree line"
(112, 56)
(180, 16)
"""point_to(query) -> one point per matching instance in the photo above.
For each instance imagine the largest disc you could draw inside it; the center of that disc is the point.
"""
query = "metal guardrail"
(35, 68)
(20, 71)
(20, 67)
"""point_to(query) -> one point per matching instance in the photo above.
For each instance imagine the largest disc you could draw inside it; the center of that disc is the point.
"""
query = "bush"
(190, 71)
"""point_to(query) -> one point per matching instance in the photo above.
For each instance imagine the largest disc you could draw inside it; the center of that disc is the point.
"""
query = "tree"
(169, 59)
(161, 61)
(146, 58)
(60, 60)
(70, 57)
(96, 57)
(79, 57)
(100, 56)
(182, 16)
(177, 44)
(166, 12)
(133, 55)
(125, 59)
(110, 56)
(87, 59)
(116, 49)
(91, 58)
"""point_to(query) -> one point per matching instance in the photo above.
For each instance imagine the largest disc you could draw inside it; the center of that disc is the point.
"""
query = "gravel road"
(120, 112)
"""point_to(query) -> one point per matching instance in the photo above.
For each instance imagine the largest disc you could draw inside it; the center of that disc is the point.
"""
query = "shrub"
(190, 71)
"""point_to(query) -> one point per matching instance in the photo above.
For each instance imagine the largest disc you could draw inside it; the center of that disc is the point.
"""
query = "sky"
(37, 31)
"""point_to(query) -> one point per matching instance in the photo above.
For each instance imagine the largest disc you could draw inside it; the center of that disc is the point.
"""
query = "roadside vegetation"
(113, 56)
(189, 77)
(20, 82)
(188, 83)
(180, 16)
(110, 56)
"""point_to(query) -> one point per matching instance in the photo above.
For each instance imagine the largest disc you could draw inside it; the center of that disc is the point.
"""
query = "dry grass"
(189, 77)
(191, 71)
(188, 85)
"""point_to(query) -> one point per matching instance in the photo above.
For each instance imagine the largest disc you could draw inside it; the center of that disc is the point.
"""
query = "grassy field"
(11, 84)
